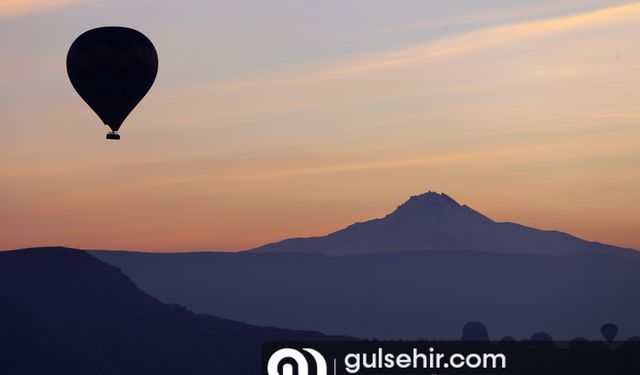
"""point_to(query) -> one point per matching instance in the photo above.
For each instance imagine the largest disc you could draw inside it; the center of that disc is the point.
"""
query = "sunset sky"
(275, 119)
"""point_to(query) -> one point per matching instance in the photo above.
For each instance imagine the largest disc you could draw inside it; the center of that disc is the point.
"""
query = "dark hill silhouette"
(63, 311)
(428, 294)
(434, 221)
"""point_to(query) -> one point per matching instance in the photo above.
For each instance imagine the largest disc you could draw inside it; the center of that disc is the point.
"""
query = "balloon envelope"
(609, 331)
(112, 69)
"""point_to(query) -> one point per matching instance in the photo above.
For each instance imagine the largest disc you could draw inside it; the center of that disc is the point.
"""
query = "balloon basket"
(114, 136)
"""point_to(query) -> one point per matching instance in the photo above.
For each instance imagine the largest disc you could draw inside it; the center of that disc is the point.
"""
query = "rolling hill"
(63, 311)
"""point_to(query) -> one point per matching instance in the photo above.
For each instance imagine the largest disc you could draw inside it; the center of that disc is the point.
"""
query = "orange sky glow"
(268, 123)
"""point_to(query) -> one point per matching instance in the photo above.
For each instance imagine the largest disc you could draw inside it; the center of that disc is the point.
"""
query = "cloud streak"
(456, 45)
(528, 11)
(481, 39)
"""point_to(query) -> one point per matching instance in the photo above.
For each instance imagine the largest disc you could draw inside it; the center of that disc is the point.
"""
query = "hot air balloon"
(609, 332)
(112, 69)
(474, 331)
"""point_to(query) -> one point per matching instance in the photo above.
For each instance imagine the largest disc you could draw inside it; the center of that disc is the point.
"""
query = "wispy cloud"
(481, 39)
(13, 8)
(501, 16)
(559, 150)
(426, 53)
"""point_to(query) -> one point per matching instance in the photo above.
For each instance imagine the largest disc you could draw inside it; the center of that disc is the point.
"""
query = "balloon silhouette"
(474, 331)
(609, 332)
(541, 337)
(112, 69)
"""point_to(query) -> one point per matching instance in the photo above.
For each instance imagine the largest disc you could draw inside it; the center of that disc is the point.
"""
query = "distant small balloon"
(609, 332)
(541, 337)
(474, 331)
(112, 69)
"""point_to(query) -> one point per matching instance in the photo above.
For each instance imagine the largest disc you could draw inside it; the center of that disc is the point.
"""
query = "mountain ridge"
(435, 221)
